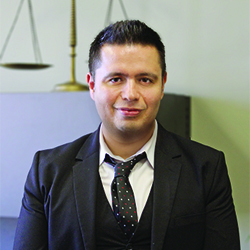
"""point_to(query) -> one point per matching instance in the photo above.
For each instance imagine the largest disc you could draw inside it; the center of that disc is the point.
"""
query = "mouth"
(129, 112)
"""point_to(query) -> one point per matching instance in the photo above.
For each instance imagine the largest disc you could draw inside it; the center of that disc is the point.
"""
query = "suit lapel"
(166, 176)
(85, 181)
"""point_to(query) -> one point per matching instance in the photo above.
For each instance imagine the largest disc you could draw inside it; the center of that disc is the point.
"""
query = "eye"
(115, 80)
(146, 80)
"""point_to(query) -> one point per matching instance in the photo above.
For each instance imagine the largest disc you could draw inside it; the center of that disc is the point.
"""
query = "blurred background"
(207, 54)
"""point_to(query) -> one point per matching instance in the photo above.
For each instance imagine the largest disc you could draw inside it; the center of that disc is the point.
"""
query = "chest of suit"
(109, 235)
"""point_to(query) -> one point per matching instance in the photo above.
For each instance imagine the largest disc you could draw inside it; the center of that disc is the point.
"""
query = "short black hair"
(126, 32)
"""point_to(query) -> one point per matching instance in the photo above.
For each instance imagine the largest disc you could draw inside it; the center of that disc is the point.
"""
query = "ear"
(164, 80)
(91, 83)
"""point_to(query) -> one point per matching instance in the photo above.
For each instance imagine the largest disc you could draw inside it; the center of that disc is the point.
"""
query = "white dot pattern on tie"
(122, 194)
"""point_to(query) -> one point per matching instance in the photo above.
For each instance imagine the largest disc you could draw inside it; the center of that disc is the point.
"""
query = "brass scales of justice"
(72, 84)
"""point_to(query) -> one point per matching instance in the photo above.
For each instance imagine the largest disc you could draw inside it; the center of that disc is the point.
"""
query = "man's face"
(127, 88)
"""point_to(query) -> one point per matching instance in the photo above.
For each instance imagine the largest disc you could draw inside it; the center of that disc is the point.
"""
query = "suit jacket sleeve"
(221, 223)
(32, 228)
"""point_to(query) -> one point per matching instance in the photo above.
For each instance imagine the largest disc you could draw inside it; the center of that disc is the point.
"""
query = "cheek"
(153, 101)
(110, 96)
(105, 100)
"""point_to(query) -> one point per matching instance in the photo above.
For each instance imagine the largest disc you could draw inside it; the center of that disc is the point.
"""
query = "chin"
(133, 127)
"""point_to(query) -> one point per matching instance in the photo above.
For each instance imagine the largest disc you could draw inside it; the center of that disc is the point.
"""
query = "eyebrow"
(112, 74)
(143, 74)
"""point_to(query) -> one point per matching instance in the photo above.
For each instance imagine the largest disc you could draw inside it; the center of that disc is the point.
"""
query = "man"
(179, 190)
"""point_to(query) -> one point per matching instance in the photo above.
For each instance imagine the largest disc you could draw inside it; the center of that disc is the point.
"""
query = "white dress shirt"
(141, 177)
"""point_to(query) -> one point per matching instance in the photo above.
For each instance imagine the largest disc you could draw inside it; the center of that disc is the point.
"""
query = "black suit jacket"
(193, 207)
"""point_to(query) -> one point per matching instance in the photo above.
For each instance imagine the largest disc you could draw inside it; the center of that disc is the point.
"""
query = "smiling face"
(127, 89)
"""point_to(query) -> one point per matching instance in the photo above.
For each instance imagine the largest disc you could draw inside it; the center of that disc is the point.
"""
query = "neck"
(126, 144)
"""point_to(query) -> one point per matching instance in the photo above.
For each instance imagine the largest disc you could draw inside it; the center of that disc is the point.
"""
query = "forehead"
(124, 49)
(129, 54)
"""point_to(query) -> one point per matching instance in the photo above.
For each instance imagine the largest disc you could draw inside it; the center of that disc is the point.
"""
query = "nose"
(130, 91)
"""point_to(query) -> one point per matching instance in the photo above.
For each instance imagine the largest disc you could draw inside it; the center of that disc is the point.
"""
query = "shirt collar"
(149, 148)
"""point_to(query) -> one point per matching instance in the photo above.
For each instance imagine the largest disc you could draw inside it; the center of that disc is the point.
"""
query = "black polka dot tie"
(122, 194)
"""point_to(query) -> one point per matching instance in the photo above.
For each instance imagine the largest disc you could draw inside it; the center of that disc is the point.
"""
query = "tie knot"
(124, 168)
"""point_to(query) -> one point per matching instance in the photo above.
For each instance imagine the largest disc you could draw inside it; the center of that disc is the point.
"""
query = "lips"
(129, 111)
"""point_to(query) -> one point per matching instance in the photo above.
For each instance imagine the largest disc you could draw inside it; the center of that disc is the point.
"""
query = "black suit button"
(129, 247)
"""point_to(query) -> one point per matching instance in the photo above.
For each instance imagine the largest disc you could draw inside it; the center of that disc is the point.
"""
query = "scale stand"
(72, 85)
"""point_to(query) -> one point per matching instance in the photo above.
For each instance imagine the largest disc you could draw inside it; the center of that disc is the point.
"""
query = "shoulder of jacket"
(184, 144)
(61, 153)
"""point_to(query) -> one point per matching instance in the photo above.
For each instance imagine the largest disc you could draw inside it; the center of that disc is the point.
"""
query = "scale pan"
(32, 66)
